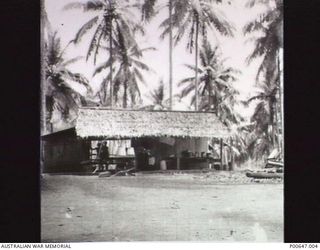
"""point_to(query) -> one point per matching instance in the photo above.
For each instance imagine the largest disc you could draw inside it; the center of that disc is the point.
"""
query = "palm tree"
(59, 94)
(113, 17)
(45, 29)
(268, 42)
(238, 142)
(158, 98)
(128, 68)
(268, 28)
(263, 135)
(194, 17)
(215, 84)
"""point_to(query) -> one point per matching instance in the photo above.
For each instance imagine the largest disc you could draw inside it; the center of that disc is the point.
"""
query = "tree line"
(115, 27)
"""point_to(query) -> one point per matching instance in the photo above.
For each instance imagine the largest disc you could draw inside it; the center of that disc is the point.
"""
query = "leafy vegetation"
(115, 24)
(211, 85)
(193, 19)
(267, 37)
(60, 95)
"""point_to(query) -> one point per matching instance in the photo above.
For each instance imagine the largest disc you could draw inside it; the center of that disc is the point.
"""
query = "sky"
(235, 49)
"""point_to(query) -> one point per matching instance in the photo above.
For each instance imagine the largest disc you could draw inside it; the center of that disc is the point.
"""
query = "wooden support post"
(221, 146)
(178, 162)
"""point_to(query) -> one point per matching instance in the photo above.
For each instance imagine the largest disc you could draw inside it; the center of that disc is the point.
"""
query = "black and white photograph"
(162, 120)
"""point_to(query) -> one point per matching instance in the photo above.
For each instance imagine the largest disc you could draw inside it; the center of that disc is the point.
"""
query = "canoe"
(263, 175)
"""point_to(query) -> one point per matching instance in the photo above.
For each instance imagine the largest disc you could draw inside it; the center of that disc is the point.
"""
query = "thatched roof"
(97, 122)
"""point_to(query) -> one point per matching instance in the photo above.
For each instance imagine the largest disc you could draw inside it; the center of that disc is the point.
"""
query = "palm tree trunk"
(125, 94)
(210, 100)
(43, 92)
(42, 86)
(111, 65)
(281, 104)
(196, 61)
(170, 52)
(232, 155)
(273, 121)
(277, 110)
(276, 122)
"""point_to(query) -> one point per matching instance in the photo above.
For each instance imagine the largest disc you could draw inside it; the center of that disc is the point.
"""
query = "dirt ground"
(178, 207)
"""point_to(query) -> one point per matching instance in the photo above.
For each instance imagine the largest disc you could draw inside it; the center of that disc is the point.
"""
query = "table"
(123, 161)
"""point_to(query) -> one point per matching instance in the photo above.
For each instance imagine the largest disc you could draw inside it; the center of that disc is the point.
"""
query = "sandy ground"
(180, 207)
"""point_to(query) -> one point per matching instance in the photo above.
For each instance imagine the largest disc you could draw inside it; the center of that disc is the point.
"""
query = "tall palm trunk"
(125, 94)
(111, 65)
(281, 103)
(170, 53)
(196, 61)
(277, 107)
(43, 89)
(277, 122)
(125, 86)
(210, 100)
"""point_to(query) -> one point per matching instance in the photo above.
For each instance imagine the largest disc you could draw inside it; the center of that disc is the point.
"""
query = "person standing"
(104, 155)
(226, 157)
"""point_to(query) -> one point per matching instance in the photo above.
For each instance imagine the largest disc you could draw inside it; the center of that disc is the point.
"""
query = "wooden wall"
(62, 155)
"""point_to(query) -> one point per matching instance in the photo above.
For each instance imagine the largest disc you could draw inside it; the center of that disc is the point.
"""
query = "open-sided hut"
(167, 134)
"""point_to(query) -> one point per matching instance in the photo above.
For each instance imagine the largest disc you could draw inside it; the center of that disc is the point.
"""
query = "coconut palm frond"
(95, 42)
(252, 26)
(148, 10)
(252, 3)
(84, 29)
(187, 90)
(101, 67)
(134, 90)
(157, 96)
(148, 49)
(138, 74)
(258, 51)
(220, 23)
(141, 65)
(182, 28)
(261, 96)
(165, 32)
(74, 5)
(186, 80)
(193, 68)
(118, 80)
(76, 77)
(71, 61)
(91, 5)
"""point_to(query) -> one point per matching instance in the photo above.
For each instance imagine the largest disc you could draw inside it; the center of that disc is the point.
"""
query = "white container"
(163, 165)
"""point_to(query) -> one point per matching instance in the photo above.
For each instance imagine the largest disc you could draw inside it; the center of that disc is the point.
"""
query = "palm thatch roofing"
(98, 122)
